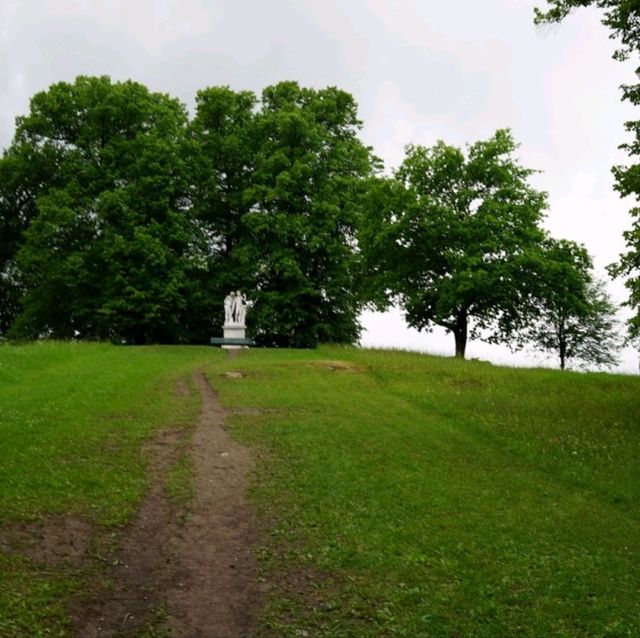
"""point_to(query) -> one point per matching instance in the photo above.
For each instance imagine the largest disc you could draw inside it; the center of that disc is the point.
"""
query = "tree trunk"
(460, 334)
(562, 346)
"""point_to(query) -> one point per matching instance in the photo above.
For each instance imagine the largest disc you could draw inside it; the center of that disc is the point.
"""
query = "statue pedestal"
(234, 331)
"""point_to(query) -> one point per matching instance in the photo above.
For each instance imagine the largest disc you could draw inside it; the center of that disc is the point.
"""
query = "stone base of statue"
(234, 331)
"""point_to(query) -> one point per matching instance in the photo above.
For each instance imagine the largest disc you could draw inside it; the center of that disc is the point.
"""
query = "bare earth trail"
(199, 575)
(219, 593)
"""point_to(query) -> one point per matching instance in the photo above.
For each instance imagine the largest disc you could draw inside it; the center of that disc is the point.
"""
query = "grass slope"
(404, 495)
(433, 497)
(73, 420)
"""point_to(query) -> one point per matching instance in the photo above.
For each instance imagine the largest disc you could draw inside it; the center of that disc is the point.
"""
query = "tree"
(121, 220)
(222, 166)
(575, 318)
(622, 17)
(283, 206)
(25, 174)
(456, 238)
(104, 249)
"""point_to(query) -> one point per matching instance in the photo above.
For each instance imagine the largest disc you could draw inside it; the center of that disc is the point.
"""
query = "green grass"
(73, 421)
(432, 497)
(402, 495)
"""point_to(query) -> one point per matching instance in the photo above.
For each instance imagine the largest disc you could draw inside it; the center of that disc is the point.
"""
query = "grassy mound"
(418, 496)
(401, 494)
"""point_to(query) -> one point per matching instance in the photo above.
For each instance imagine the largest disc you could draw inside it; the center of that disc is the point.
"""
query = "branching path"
(201, 573)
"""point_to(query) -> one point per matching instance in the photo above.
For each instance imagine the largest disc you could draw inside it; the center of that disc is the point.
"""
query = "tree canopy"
(122, 219)
(287, 205)
(620, 16)
(105, 238)
(454, 236)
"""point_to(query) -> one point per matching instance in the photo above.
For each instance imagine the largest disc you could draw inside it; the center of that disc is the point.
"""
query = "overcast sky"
(421, 70)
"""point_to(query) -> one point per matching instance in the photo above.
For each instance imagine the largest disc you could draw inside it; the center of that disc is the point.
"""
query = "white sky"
(421, 70)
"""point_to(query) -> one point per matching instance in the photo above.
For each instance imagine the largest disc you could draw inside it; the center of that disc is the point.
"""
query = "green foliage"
(455, 238)
(105, 252)
(409, 495)
(575, 318)
(622, 17)
(282, 206)
(25, 174)
(628, 184)
(222, 155)
(121, 220)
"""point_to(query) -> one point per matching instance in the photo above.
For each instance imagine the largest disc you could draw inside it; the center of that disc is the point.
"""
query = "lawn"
(408, 495)
(73, 421)
(398, 494)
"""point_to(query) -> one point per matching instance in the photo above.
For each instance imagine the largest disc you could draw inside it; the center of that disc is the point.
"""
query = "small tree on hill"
(576, 319)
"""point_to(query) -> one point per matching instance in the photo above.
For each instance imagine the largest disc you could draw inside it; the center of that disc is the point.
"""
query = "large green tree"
(622, 17)
(105, 242)
(222, 165)
(574, 318)
(122, 220)
(282, 203)
(26, 173)
(455, 237)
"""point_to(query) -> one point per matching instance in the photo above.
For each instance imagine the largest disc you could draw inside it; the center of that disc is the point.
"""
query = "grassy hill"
(434, 497)
(399, 494)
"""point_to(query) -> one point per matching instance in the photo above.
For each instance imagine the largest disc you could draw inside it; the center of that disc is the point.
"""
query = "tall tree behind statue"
(282, 204)
(122, 220)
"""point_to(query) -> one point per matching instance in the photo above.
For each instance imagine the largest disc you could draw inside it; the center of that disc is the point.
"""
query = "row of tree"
(121, 218)
(458, 241)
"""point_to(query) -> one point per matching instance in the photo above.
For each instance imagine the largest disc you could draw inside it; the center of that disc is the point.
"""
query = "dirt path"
(215, 592)
(198, 576)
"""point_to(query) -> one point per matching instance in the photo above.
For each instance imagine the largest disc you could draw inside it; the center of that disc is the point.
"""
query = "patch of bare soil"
(182, 388)
(56, 540)
(336, 366)
(234, 353)
(134, 589)
(199, 572)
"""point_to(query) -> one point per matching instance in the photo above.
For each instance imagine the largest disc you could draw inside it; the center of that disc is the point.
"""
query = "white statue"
(235, 308)
(229, 307)
(240, 307)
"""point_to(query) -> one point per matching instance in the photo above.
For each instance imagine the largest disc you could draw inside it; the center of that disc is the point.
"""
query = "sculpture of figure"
(240, 307)
(229, 307)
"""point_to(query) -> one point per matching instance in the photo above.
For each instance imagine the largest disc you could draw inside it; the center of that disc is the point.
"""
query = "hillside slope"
(407, 495)
(397, 494)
